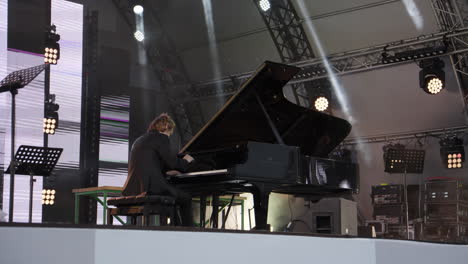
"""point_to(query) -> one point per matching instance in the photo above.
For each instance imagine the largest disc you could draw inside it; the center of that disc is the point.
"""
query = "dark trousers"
(184, 201)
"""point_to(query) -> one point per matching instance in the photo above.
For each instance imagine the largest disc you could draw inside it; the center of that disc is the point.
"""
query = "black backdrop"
(27, 22)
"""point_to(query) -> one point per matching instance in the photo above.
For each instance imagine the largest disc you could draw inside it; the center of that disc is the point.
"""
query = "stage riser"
(81, 246)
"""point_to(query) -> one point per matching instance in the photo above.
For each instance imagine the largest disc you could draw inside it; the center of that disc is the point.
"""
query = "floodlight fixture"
(264, 5)
(319, 91)
(138, 9)
(432, 75)
(48, 196)
(140, 36)
(51, 117)
(452, 152)
(321, 103)
(51, 47)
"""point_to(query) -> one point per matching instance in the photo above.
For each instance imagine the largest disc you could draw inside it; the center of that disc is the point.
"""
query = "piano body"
(259, 142)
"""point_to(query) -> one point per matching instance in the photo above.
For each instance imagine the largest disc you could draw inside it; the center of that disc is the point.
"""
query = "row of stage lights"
(452, 153)
(51, 119)
(431, 76)
(51, 56)
(431, 80)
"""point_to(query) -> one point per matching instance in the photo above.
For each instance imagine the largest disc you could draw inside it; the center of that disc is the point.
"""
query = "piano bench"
(145, 206)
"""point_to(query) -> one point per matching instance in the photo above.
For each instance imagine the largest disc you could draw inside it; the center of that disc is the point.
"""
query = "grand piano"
(259, 142)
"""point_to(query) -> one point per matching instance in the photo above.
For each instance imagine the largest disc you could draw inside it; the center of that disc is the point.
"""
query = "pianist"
(150, 159)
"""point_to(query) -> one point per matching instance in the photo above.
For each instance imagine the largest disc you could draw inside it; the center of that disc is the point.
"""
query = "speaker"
(328, 216)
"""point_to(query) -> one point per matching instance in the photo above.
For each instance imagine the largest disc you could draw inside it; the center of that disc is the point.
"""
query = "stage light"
(49, 125)
(264, 5)
(452, 152)
(321, 103)
(432, 76)
(52, 47)
(434, 85)
(48, 196)
(138, 9)
(139, 36)
(51, 117)
(319, 93)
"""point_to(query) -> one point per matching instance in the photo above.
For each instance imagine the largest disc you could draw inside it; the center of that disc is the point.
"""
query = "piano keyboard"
(202, 173)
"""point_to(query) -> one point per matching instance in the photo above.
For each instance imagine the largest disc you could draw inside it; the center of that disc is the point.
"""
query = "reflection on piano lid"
(332, 173)
(242, 118)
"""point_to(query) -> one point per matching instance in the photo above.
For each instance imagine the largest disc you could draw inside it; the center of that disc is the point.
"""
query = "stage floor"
(24, 243)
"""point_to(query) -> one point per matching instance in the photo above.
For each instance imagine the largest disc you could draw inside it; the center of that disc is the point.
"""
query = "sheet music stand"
(35, 161)
(14, 81)
(405, 161)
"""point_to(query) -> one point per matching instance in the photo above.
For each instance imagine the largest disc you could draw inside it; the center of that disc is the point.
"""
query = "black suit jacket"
(150, 158)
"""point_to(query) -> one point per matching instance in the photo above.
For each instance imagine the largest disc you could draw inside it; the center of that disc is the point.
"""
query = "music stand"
(11, 83)
(34, 161)
(405, 161)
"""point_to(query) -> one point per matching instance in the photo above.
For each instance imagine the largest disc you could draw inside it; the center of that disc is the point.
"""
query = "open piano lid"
(241, 119)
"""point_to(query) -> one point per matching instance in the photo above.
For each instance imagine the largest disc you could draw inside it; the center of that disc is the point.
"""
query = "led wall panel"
(3, 73)
(113, 143)
(65, 81)
(113, 147)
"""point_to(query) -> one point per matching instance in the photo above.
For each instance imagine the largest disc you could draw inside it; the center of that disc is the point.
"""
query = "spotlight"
(432, 76)
(452, 152)
(434, 85)
(51, 117)
(139, 36)
(48, 196)
(264, 5)
(321, 103)
(319, 91)
(52, 47)
(138, 9)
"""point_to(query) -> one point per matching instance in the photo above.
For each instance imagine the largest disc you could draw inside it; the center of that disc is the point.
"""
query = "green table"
(96, 193)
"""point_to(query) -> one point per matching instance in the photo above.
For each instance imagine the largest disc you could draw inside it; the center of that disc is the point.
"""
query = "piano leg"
(215, 213)
(202, 210)
(261, 196)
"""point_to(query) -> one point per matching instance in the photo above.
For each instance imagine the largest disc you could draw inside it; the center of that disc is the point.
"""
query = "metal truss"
(286, 30)
(290, 39)
(411, 135)
(452, 15)
(90, 121)
(351, 61)
(168, 67)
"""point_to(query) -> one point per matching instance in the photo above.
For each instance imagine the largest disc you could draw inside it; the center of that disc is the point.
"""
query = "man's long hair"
(162, 123)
